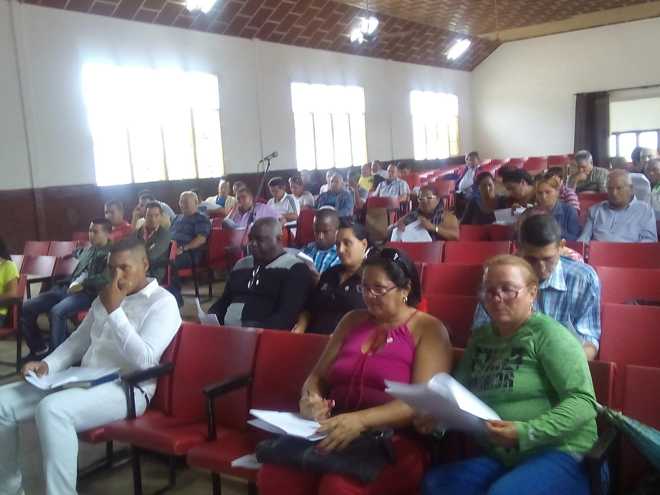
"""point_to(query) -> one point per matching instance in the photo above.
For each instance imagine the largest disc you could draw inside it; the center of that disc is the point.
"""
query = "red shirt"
(121, 231)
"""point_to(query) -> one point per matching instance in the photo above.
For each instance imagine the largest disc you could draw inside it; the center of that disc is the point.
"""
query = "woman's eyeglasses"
(376, 290)
(505, 294)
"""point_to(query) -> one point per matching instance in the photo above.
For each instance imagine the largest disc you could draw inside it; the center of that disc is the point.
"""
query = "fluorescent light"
(204, 5)
(368, 25)
(357, 36)
(458, 49)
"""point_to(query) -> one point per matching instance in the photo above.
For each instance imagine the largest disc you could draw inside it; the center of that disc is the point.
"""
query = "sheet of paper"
(69, 375)
(206, 318)
(451, 404)
(248, 461)
(305, 257)
(505, 217)
(287, 423)
(414, 232)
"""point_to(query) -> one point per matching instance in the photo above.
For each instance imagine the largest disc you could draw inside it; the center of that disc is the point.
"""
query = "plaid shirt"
(322, 259)
(571, 295)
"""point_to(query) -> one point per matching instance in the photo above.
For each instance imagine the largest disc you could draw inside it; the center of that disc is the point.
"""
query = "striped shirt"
(571, 295)
(392, 189)
(323, 259)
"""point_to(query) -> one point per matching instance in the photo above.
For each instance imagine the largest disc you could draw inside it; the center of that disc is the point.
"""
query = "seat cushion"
(159, 433)
(95, 435)
(218, 455)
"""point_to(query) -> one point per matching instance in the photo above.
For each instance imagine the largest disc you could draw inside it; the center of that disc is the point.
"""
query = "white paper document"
(248, 461)
(206, 318)
(73, 376)
(449, 402)
(414, 232)
(505, 217)
(285, 423)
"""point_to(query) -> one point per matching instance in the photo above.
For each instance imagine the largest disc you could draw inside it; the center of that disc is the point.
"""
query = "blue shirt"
(392, 188)
(186, 227)
(341, 201)
(322, 259)
(571, 295)
(634, 223)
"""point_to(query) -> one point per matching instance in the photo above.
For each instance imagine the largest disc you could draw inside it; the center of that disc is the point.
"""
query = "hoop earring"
(405, 299)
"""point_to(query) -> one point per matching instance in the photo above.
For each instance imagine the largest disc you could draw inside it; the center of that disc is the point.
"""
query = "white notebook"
(449, 402)
(285, 423)
(73, 377)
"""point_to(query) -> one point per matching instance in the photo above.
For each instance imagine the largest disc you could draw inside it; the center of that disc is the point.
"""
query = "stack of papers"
(73, 377)
(505, 217)
(414, 232)
(206, 318)
(450, 403)
(285, 423)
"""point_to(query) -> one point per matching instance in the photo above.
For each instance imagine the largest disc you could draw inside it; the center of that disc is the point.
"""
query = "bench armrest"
(132, 381)
(216, 390)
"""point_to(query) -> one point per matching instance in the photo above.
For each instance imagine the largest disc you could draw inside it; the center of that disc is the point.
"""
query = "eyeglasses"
(506, 293)
(376, 290)
(430, 197)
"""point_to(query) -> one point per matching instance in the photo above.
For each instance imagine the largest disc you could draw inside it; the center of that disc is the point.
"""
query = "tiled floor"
(118, 480)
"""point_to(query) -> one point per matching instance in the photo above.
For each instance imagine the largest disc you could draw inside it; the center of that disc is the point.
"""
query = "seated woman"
(480, 210)
(432, 217)
(534, 374)
(547, 201)
(389, 340)
(339, 290)
(8, 281)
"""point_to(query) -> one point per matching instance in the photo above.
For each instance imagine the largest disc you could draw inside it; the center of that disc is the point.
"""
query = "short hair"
(517, 175)
(359, 230)
(270, 223)
(244, 189)
(146, 194)
(428, 187)
(399, 268)
(104, 223)
(552, 180)
(403, 165)
(297, 179)
(510, 260)
(130, 243)
(154, 204)
(623, 173)
(583, 155)
(472, 154)
(327, 214)
(239, 184)
(338, 174)
(114, 202)
(539, 231)
(555, 172)
(277, 182)
(636, 154)
(189, 193)
(356, 174)
(482, 176)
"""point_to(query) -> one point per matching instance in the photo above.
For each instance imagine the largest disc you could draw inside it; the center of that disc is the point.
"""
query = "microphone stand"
(252, 214)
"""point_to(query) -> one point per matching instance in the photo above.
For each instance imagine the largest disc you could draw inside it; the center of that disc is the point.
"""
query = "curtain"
(592, 125)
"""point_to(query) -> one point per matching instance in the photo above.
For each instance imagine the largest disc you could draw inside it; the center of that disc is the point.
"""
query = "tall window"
(151, 125)
(634, 121)
(435, 124)
(329, 124)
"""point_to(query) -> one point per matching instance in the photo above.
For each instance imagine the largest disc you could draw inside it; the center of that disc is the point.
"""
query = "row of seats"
(212, 376)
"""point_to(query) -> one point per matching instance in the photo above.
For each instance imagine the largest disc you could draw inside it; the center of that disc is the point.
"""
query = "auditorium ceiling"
(415, 31)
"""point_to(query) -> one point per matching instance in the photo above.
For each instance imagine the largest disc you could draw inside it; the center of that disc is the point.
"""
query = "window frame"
(637, 133)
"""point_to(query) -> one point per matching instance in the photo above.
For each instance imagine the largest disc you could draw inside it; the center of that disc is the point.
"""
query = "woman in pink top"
(345, 392)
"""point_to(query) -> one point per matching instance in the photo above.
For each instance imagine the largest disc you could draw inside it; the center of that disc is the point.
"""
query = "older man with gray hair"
(587, 178)
(622, 217)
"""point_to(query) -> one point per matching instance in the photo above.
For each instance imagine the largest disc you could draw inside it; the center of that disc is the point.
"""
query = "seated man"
(157, 241)
(337, 197)
(243, 216)
(114, 213)
(189, 230)
(128, 327)
(393, 186)
(265, 289)
(65, 300)
(641, 157)
(328, 177)
(139, 212)
(324, 250)
(653, 173)
(621, 218)
(465, 183)
(222, 203)
(282, 202)
(304, 198)
(587, 178)
(569, 291)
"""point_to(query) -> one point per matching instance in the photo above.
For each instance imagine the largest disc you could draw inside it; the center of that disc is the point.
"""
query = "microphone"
(274, 154)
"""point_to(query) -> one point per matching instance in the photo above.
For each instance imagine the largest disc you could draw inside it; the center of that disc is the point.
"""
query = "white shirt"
(324, 188)
(641, 187)
(132, 337)
(467, 180)
(287, 204)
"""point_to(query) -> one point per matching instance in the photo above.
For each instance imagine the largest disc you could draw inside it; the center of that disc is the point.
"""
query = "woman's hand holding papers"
(424, 424)
(314, 407)
(341, 431)
(39, 368)
(502, 433)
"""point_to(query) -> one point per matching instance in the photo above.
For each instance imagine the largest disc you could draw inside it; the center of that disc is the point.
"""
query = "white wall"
(524, 94)
(254, 80)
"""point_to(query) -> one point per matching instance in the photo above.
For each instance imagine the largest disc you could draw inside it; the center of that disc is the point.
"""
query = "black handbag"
(363, 459)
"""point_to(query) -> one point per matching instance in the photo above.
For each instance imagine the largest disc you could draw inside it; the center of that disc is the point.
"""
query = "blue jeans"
(548, 473)
(184, 260)
(60, 306)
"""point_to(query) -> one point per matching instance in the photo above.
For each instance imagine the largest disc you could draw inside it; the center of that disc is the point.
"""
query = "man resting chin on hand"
(129, 326)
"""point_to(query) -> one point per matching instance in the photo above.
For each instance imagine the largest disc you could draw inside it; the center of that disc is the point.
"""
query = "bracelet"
(436, 229)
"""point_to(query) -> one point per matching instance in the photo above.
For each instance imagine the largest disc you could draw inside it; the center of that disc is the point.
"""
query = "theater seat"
(474, 253)
(421, 252)
(12, 327)
(474, 233)
(305, 227)
(446, 278)
(283, 362)
(205, 355)
(456, 312)
(625, 285)
(625, 254)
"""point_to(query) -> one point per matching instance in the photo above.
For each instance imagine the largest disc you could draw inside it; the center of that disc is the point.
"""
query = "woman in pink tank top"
(345, 392)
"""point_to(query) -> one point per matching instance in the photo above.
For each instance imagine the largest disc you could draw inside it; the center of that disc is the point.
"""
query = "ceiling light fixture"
(458, 49)
(202, 5)
(365, 30)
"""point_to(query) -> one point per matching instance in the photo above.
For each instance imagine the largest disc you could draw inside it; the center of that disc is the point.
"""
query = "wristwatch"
(436, 229)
